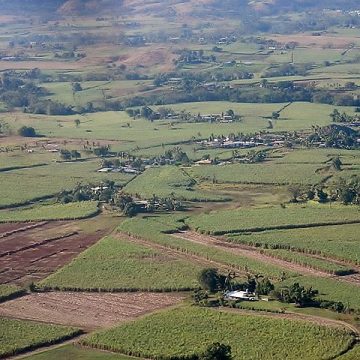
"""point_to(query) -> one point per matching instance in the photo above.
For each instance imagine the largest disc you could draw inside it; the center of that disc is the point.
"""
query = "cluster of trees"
(338, 117)
(335, 136)
(27, 131)
(287, 70)
(347, 191)
(193, 57)
(296, 294)
(211, 280)
(69, 155)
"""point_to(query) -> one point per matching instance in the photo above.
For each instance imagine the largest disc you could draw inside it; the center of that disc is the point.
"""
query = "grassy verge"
(8, 292)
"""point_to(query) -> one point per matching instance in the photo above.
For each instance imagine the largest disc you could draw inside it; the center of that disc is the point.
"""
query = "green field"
(119, 265)
(267, 218)
(331, 289)
(17, 336)
(341, 242)
(353, 354)
(71, 211)
(266, 173)
(154, 229)
(187, 331)
(308, 261)
(71, 352)
(33, 183)
(166, 181)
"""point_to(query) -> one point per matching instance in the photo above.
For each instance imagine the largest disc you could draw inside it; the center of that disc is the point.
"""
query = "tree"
(336, 163)
(209, 279)
(77, 122)
(275, 115)
(264, 287)
(27, 131)
(295, 192)
(76, 87)
(217, 351)
(75, 154)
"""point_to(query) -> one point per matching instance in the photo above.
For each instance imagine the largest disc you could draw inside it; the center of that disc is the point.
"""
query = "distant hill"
(85, 7)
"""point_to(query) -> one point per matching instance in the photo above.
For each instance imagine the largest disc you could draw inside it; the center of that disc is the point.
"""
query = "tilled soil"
(33, 254)
(88, 311)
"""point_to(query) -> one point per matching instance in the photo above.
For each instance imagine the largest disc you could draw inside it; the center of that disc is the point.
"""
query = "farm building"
(240, 295)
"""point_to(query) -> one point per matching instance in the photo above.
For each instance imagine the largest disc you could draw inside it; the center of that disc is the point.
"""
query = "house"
(204, 162)
(240, 295)
(105, 170)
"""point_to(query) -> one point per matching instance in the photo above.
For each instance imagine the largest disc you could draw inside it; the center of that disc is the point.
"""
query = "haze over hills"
(79, 7)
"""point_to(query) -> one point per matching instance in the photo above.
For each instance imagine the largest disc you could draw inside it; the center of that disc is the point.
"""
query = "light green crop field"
(263, 173)
(8, 291)
(71, 352)
(71, 211)
(249, 220)
(180, 331)
(339, 242)
(308, 261)
(168, 180)
(37, 182)
(353, 354)
(157, 229)
(17, 335)
(119, 265)
(331, 289)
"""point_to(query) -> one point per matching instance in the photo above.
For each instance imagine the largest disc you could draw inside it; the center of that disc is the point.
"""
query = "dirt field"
(86, 310)
(32, 254)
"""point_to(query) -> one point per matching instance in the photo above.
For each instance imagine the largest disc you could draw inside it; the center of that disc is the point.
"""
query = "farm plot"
(331, 289)
(266, 173)
(166, 181)
(272, 218)
(115, 264)
(17, 336)
(45, 181)
(32, 254)
(338, 242)
(77, 353)
(180, 332)
(69, 211)
(86, 310)
(159, 229)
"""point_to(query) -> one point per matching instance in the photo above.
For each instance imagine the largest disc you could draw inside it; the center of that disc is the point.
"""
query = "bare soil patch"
(33, 254)
(87, 310)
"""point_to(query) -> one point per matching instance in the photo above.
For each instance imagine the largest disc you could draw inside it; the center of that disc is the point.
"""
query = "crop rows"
(185, 332)
(119, 265)
(71, 211)
(271, 218)
(17, 336)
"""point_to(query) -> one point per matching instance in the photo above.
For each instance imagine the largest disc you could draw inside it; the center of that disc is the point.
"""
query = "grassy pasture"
(249, 220)
(76, 353)
(71, 211)
(181, 331)
(119, 265)
(340, 241)
(157, 229)
(353, 354)
(263, 173)
(17, 336)
(37, 182)
(164, 181)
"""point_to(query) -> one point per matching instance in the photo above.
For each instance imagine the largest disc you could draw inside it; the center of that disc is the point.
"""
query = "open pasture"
(180, 331)
(165, 181)
(263, 173)
(46, 181)
(17, 336)
(115, 264)
(271, 218)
